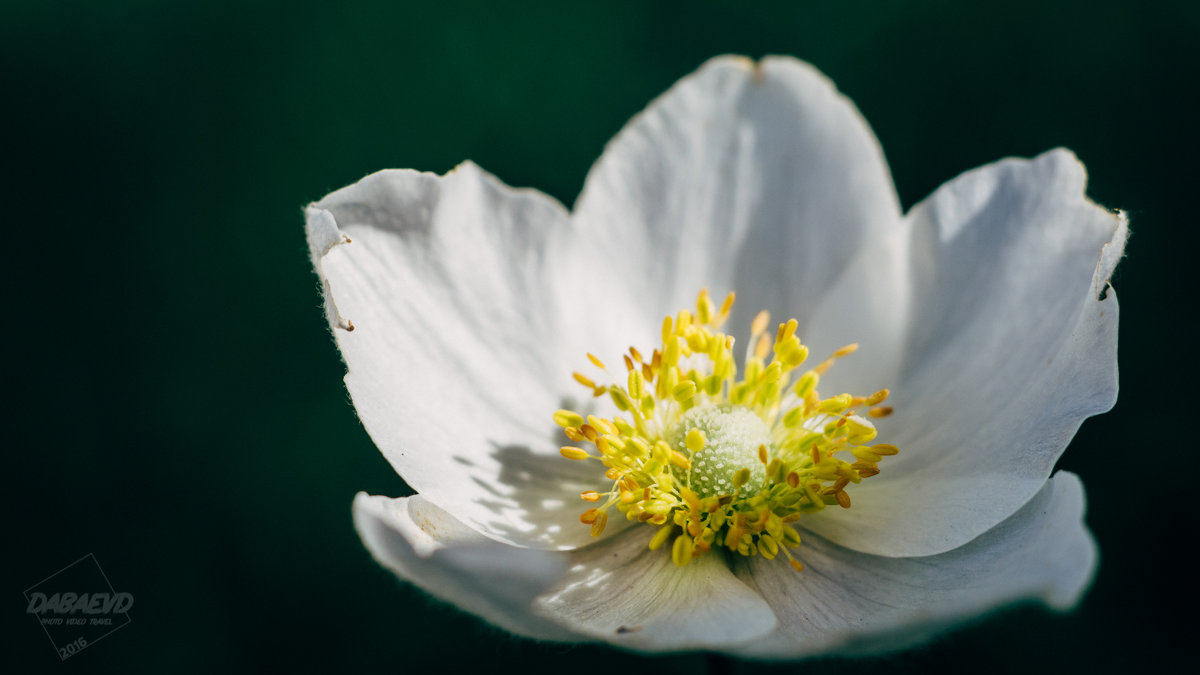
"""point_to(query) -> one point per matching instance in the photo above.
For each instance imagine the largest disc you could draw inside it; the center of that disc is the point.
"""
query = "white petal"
(1009, 346)
(453, 358)
(754, 177)
(425, 545)
(622, 592)
(859, 603)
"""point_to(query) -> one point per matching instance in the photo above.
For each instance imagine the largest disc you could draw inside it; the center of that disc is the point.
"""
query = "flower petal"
(754, 177)
(452, 348)
(622, 592)
(1011, 343)
(862, 603)
(427, 546)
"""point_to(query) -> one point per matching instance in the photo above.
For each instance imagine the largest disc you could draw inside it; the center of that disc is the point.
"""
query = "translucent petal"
(622, 592)
(1010, 342)
(427, 546)
(455, 362)
(859, 603)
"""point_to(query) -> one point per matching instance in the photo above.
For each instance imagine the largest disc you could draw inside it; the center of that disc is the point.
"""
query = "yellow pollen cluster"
(716, 461)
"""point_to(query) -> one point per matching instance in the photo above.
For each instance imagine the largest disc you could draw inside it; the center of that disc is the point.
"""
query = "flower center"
(717, 461)
(732, 435)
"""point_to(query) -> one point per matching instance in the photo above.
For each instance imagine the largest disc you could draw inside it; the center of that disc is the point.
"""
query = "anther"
(661, 537)
(567, 418)
(681, 550)
(684, 391)
(763, 347)
(759, 325)
(603, 425)
(704, 307)
(600, 522)
(846, 351)
(786, 330)
(807, 383)
(574, 453)
(727, 305)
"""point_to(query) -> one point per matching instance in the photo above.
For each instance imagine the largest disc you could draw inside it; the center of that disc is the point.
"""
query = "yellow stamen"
(759, 325)
(600, 522)
(843, 499)
(727, 305)
(566, 418)
(681, 551)
(574, 453)
(845, 351)
(661, 537)
(681, 449)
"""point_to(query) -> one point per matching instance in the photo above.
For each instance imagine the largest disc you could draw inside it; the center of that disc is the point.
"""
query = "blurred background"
(177, 401)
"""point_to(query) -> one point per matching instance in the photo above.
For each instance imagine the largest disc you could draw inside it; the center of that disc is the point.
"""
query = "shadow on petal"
(542, 490)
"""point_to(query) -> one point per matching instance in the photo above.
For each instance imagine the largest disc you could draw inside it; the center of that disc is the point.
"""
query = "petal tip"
(1110, 254)
(735, 61)
(323, 235)
(1067, 162)
(1084, 552)
(322, 232)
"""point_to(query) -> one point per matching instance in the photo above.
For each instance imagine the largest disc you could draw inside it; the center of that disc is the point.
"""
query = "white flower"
(463, 307)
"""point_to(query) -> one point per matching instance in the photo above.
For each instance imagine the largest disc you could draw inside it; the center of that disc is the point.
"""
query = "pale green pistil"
(733, 434)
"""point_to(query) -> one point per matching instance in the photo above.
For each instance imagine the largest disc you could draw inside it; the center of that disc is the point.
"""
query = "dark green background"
(178, 401)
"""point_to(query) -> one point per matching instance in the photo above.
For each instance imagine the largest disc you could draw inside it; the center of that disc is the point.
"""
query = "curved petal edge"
(860, 604)
(1012, 343)
(424, 545)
